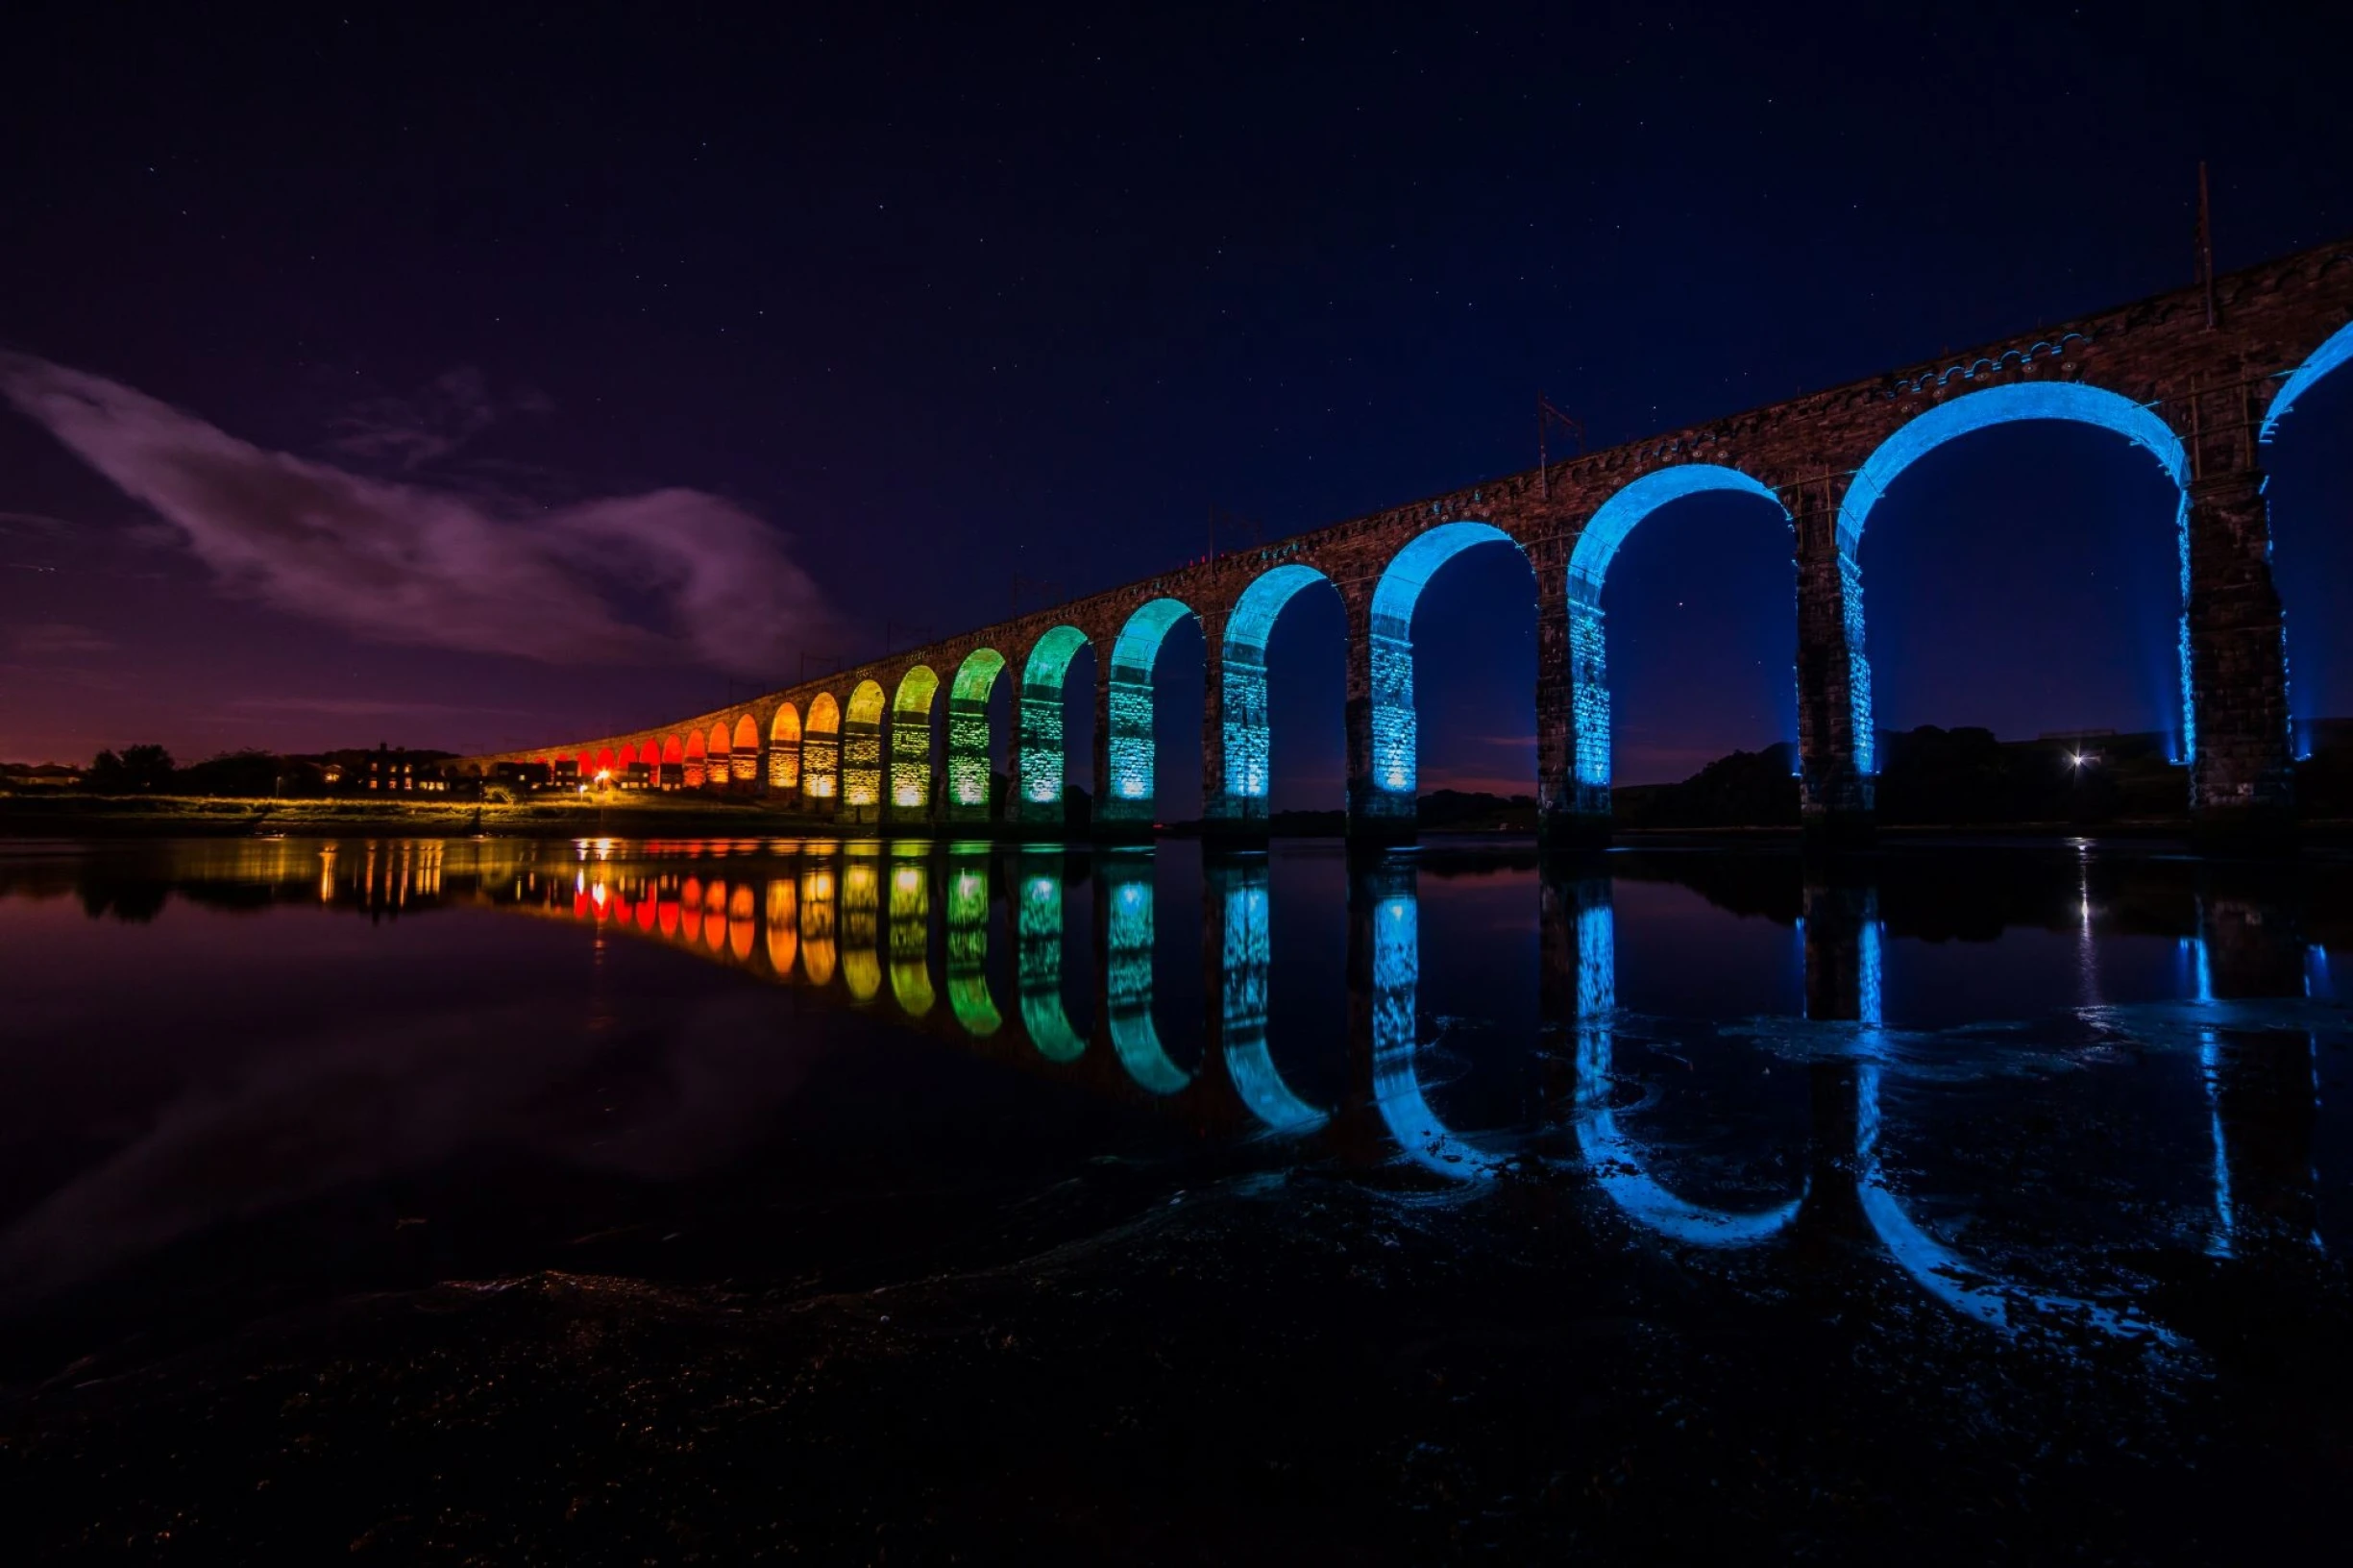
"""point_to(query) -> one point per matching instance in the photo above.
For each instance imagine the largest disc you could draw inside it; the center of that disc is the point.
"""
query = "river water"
(859, 1198)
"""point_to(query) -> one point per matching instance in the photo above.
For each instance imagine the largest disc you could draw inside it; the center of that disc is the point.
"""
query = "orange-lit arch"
(820, 750)
(693, 760)
(784, 748)
(746, 759)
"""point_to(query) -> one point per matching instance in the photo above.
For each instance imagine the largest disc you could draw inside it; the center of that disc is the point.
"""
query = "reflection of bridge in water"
(972, 945)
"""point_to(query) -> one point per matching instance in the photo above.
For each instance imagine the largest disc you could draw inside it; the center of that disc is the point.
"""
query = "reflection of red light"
(645, 914)
(669, 916)
(583, 907)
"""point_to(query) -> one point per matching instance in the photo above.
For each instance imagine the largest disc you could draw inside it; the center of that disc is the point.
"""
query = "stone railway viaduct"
(2199, 378)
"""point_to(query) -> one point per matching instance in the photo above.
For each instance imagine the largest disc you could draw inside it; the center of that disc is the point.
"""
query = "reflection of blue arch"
(1617, 1159)
(1242, 691)
(2070, 401)
(1128, 790)
(1395, 767)
(1397, 1085)
(1934, 1266)
(1597, 546)
(1038, 924)
(1246, 960)
(1042, 677)
(2327, 358)
(1128, 962)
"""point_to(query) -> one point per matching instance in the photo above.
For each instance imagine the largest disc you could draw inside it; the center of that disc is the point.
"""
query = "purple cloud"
(671, 574)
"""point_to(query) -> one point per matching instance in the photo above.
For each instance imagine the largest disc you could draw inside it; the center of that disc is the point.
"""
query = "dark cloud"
(409, 432)
(668, 576)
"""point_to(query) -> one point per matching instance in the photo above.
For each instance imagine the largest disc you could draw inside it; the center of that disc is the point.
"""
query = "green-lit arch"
(911, 743)
(968, 730)
(1127, 789)
(1040, 765)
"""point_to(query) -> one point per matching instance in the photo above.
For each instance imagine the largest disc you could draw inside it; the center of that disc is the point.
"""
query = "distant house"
(39, 775)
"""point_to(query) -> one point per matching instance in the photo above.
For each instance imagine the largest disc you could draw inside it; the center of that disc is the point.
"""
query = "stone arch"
(968, 733)
(1393, 786)
(673, 757)
(2067, 401)
(1040, 765)
(606, 761)
(694, 759)
(1125, 792)
(1246, 737)
(2328, 357)
(862, 750)
(1597, 546)
(821, 750)
(719, 750)
(784, 748)
(745, 756)
(910, 744)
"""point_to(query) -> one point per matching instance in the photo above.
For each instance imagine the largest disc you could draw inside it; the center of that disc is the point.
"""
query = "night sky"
(486, 382)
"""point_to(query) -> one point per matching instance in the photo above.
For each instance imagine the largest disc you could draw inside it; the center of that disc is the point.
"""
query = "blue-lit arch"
(1396, 767)
(1245, 963)
(1597, 546)
(1128, 980)
(1617, 1162)
(1242, 689)
(2328, 357)
(1127, 792)
(1041, 766)
(2068, 402)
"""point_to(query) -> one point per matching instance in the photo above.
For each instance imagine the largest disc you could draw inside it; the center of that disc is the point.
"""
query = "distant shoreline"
(83, 816)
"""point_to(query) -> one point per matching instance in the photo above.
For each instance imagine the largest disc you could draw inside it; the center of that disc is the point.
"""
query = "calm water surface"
(2073, 1111)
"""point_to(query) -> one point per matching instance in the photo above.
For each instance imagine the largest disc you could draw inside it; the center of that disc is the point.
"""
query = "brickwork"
(2210, 384)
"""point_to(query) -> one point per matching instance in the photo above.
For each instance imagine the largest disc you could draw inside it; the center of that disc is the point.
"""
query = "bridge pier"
(2242, 782)
(1380, 810)
(1838, 787)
